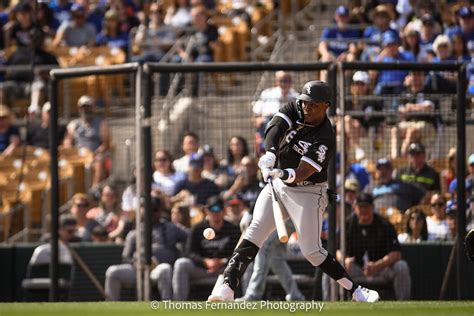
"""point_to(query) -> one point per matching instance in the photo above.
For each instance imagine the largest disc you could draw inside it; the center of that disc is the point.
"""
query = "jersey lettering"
(290, 136)
(321, 152)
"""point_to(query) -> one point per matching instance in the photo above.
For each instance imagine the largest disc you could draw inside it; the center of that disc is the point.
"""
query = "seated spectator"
(153, 37)
(165, 237)
(355, 171)
(373, 251)
(23, 83)
(67, 231)
(415, 227)
(411, 43)
(181, 217)
(203, 41)
(79, 208)
(46, 20)
(246, 184)
(9, 134)
(234, 210)
(205, 258)
(178, 15)
(437, 223)
(452, 219)
(76, 32)
(99, 234)
(19, 33)
(419, 172)
(358, 124)
(339, 42)
(61, 10)
(449, 174)
(195, 189)
(392, 193)
(190, 145)
(108, 213)
(465, 25)
(419, 123)
(38, 133)
(165, 178)
(391, 81)
(112, 34)
(231, 166)
(445, 81)
(91, 132)
(460, 51)
(211, 166)
(351, 189)
(270, 102)
(382, 15)
(428, 35)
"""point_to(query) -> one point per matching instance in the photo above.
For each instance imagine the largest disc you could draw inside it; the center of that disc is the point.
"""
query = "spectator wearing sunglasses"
(80, 207)
(437, 224)
(415, 227)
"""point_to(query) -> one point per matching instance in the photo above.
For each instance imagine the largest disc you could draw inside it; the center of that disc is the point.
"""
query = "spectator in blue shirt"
(111, 34)
(465, 18)
(335, 41)
(61, 10)
(391, 81)
(427, 34)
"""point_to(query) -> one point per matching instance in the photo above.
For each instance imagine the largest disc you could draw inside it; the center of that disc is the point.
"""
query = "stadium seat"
(37, 282)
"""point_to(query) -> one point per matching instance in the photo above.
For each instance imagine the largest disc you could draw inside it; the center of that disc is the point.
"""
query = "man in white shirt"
(270, 101)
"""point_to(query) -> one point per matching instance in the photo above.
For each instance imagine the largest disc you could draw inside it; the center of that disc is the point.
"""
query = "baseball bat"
(278, 215)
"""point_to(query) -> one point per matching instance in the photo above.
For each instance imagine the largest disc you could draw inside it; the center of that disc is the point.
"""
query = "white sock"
(345, 283)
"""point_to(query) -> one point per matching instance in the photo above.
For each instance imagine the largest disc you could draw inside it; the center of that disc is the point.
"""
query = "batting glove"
(287, 175)
(267, 161)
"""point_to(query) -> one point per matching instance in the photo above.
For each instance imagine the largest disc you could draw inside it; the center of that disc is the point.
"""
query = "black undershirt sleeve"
(274, 134)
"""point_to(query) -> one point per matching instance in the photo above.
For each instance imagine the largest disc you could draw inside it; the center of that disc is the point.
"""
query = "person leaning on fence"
(205, 258)
(165, 237)
(91, 132)
(373, 254)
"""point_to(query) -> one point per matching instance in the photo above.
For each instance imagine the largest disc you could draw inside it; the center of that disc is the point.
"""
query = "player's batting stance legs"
(299, 141)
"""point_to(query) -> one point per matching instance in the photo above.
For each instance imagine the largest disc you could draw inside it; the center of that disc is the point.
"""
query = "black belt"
(301, 184)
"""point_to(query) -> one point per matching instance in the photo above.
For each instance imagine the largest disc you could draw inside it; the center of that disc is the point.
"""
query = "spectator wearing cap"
(195, 189)
(19, 34)
(351, 189)
(23, 83)
(415, 227)
(339, 42)
(76, 32)
(388, 192)
(270, 102)
(438, 228)
(428, 29)
(358, 123)
(165, 178)
(391, 81)
(373, 252)
(189, 146)
(205, 258)
(418, 172)
(112, 34)
(67, 230)
(165, 240)
(91, 132)
(418, 121)
(234, 209)
(38, 133)
(465, 19)
(9, 134)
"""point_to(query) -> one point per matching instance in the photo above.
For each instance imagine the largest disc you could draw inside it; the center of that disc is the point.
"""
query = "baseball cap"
(453, 185)
(111, 14)
(390, 38)
(464, 12)
(342, 10)
(85, 100)
(22, 7)
(470, 160)
(364, 198)
(383, 162)
(315, 91)
(214, 204)
(427, 19)
(233, 200)
(196, 161)
(361, 76)
(416, 148)
(451, 208)
(351, 185)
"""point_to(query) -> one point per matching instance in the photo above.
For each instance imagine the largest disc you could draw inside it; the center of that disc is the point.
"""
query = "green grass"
(422, 308)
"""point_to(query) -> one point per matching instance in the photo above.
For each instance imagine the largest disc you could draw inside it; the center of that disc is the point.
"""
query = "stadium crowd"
(413, 201)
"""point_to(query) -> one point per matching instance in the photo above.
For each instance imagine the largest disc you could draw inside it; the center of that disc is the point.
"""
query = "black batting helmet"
(315, 91)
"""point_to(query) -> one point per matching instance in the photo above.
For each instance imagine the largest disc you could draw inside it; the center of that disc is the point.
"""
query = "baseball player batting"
(299, 141)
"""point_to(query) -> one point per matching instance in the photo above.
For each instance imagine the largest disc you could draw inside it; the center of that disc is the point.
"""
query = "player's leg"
(162, 275)
(116, 276)
(261, 226)
(300, 203)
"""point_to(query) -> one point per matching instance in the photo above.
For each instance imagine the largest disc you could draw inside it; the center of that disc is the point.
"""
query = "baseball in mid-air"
(209, 233)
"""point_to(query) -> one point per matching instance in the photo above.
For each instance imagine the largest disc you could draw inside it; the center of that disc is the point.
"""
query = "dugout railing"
(216, 101)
